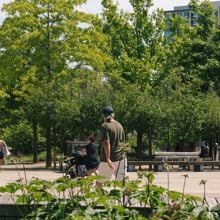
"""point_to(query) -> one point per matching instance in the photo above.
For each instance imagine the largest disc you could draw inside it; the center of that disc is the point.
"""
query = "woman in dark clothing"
(91, 152)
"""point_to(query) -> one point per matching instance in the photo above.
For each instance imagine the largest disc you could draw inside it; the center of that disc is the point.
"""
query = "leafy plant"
(203, 182)
(79, 198)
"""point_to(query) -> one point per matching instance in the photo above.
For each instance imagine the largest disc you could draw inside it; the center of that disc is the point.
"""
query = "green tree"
(190, 71)
(136, 40)
(205, 45)
(3, 110)
(137, 50)
(194, 50)
(48, 38)
(212, 124)
(20, 137)
(140, 112)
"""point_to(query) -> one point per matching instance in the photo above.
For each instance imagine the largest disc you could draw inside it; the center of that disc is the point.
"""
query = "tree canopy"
(59, 66)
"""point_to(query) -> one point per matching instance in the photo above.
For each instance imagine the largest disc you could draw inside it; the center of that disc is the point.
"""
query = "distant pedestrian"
(113, 162)
(91, 155)
(204, 152)
(4, 152)
(216, 148)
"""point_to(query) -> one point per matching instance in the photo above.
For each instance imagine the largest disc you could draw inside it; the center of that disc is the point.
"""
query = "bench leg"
(184, 167)
(158, 168)
(130, 168)
(140, 167)
(198, 167)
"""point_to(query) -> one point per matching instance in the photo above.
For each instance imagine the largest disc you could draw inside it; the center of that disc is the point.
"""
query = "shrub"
(19, 138)
(79, 198)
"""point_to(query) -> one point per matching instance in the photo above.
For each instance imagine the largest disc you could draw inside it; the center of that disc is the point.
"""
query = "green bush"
(19, 138)
(20, 159)
(42, 156)
(79, 198)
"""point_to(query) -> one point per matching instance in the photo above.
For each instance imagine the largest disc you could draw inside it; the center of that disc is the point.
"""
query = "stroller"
(75, 165)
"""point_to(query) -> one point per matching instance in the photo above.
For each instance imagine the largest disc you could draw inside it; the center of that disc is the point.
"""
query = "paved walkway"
(10, 173)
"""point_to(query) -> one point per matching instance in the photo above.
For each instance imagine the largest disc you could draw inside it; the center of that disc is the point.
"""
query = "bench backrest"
(177, 155)
(187, 154)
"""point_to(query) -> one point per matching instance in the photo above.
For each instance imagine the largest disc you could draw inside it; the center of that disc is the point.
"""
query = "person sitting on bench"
(204, 151)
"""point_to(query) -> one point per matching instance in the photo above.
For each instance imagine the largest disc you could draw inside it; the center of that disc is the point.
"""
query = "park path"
(10, 173)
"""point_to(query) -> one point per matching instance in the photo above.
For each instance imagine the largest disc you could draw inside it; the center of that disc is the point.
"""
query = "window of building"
(186, 14)
(194, 15)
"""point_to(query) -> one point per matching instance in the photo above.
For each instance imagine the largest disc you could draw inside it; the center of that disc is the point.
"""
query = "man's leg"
(120, 171)
(105, 171)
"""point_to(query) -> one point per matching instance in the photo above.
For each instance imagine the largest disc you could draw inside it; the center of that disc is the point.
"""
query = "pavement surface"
(10, 173)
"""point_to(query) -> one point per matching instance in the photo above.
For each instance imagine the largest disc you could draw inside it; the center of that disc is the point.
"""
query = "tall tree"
(137, 49)
(50, 37)
(195, 50)
(3, 110)
(205, 45)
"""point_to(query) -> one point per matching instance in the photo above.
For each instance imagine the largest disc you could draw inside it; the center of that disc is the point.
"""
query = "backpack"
(1, 155)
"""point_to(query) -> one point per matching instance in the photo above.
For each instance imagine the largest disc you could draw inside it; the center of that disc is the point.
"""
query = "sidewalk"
(28, 166)
(10, 173)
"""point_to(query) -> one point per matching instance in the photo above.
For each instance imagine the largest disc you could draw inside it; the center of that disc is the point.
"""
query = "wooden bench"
(198, 165)
(183, 159)
(151, 163)
(179, 156)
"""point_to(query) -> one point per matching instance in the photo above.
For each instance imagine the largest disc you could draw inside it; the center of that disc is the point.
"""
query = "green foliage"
(213, 116)
(202, 212)
(136, 42)
(19, 137)
(50, 52)
(42, 156)
(59, 66)
(79, 198)
(194, 50)
(19, 159)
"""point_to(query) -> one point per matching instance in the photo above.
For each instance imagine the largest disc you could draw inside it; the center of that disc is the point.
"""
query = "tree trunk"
(63, 142)
(168, 140)
(139, 145)
(48, 67)
(182, 146)
(149, 140)
(149, 137)
(48, 147)
(35, 148)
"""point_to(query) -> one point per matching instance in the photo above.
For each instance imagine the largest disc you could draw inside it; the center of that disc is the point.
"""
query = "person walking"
(4, 152)
(91, 155)
(113, 161)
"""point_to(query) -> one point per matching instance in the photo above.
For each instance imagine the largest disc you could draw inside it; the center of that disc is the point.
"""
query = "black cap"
(108, 110)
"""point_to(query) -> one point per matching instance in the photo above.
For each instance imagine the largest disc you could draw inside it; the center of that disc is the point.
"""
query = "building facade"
(186, 12)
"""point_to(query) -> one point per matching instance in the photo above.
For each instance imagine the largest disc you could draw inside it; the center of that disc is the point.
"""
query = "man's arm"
(107, 149)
